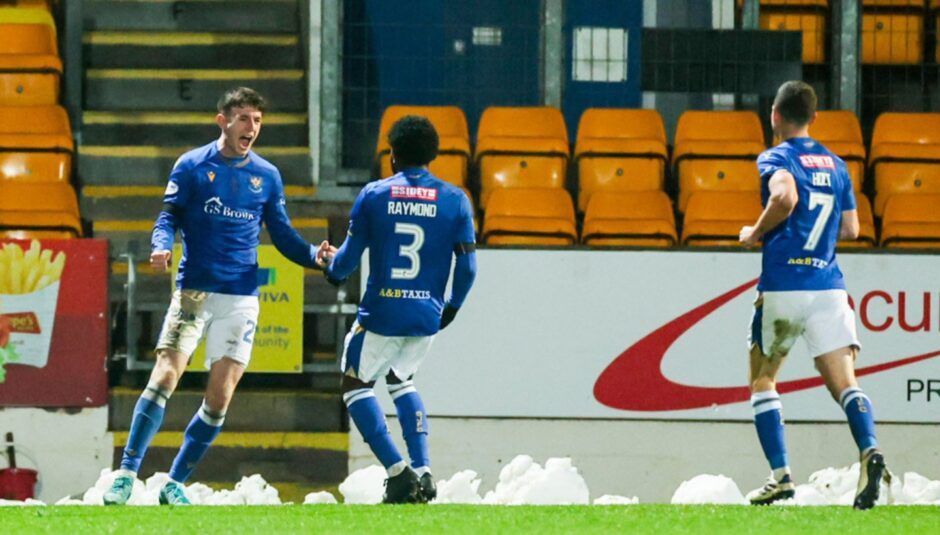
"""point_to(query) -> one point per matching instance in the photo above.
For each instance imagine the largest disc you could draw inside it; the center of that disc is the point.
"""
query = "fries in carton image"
(29, 294)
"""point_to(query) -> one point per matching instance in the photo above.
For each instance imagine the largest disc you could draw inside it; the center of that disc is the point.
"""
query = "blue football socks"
(200, 433)
(148, 416)
(414, 423)
(367, 415)
(861, 418)
(768, 420)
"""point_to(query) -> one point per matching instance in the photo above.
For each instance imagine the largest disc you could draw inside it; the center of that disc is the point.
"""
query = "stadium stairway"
(153, 73)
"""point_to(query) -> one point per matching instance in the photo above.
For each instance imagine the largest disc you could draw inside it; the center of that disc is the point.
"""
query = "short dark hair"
(796, 102)
(414, 141)
(241, 96)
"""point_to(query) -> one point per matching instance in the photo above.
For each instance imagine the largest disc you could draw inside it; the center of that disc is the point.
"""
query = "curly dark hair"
(241, 96)
(414, 141)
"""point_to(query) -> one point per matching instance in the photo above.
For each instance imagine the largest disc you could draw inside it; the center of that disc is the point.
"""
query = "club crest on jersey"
(414, 192)
(211, 175)
(255, 184)
(817, 161)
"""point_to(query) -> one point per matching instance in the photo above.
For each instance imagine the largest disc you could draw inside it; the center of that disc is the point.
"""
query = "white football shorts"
(227, 322)
(371, 355)
(823, 318)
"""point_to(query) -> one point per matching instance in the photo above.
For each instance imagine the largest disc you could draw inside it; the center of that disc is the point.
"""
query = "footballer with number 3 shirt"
(413, 225)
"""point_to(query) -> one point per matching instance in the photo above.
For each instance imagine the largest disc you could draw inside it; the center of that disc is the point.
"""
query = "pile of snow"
(524, 482)
(613, 499)
(521, 482)
(463, 487)
(317, 498)
(707, 488)
(364, 486)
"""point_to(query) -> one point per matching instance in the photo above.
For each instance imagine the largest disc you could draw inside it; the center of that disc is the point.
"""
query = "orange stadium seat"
(866, 226)
(619, 150)
(905, 155)
(454, 151)
(30, 66)
(715, 218)
(633, 218)
(841, 133)
(521, 148)
(807, 16)
(39, 206)
(892, 32)
(912, 221)
(35, 143)
(530, 216)
(716, 150)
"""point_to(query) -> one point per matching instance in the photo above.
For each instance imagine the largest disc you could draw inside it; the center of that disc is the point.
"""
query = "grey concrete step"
(180, 50)
(189, 89)
(250, 410)
(183, 128)
(151, 165)
(258, 16)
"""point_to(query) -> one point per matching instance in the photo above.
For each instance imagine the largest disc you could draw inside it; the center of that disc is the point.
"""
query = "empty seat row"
(545, 217)
(892, 31)
(36, 144)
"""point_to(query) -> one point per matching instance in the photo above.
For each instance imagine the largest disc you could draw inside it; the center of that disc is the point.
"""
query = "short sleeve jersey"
(800, 253)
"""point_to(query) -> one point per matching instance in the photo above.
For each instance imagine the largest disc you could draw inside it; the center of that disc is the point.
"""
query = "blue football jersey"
(412, 223)
(800, 253)
(219, 205)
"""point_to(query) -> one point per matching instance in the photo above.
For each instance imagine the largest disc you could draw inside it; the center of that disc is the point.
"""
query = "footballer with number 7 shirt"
(809, 204)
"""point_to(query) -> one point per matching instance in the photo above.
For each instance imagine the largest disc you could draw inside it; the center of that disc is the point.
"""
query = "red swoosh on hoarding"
(634, 381)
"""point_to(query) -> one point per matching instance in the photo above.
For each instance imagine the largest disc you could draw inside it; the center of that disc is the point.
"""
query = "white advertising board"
(662, 335)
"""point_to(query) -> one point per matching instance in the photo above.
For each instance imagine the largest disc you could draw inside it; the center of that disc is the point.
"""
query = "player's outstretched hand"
(448, 315)
(160, 260)
(749, 236)
(325, 253)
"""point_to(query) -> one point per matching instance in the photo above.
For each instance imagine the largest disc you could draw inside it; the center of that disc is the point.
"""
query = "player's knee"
(350, 384)
(391, 379)
(166, 373)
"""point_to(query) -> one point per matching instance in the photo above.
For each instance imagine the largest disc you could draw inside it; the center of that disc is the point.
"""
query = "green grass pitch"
(698, 520)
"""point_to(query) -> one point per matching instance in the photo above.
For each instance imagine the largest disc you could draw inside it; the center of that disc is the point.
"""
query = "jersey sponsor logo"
(414, 192)
(419, 209)
(214, 206)
(254, 184)
(23, 322)
(817, 161)
(634, 381)
(211, 175)
(171, 188)
(397, 293)
(822, 179)
(808, 261)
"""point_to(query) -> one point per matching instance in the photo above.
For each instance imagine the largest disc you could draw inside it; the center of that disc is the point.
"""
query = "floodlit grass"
(698, 520)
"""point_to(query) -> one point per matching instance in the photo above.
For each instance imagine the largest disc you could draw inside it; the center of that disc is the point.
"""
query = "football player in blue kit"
(809, 204)
(218, 196)
(413, 225)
